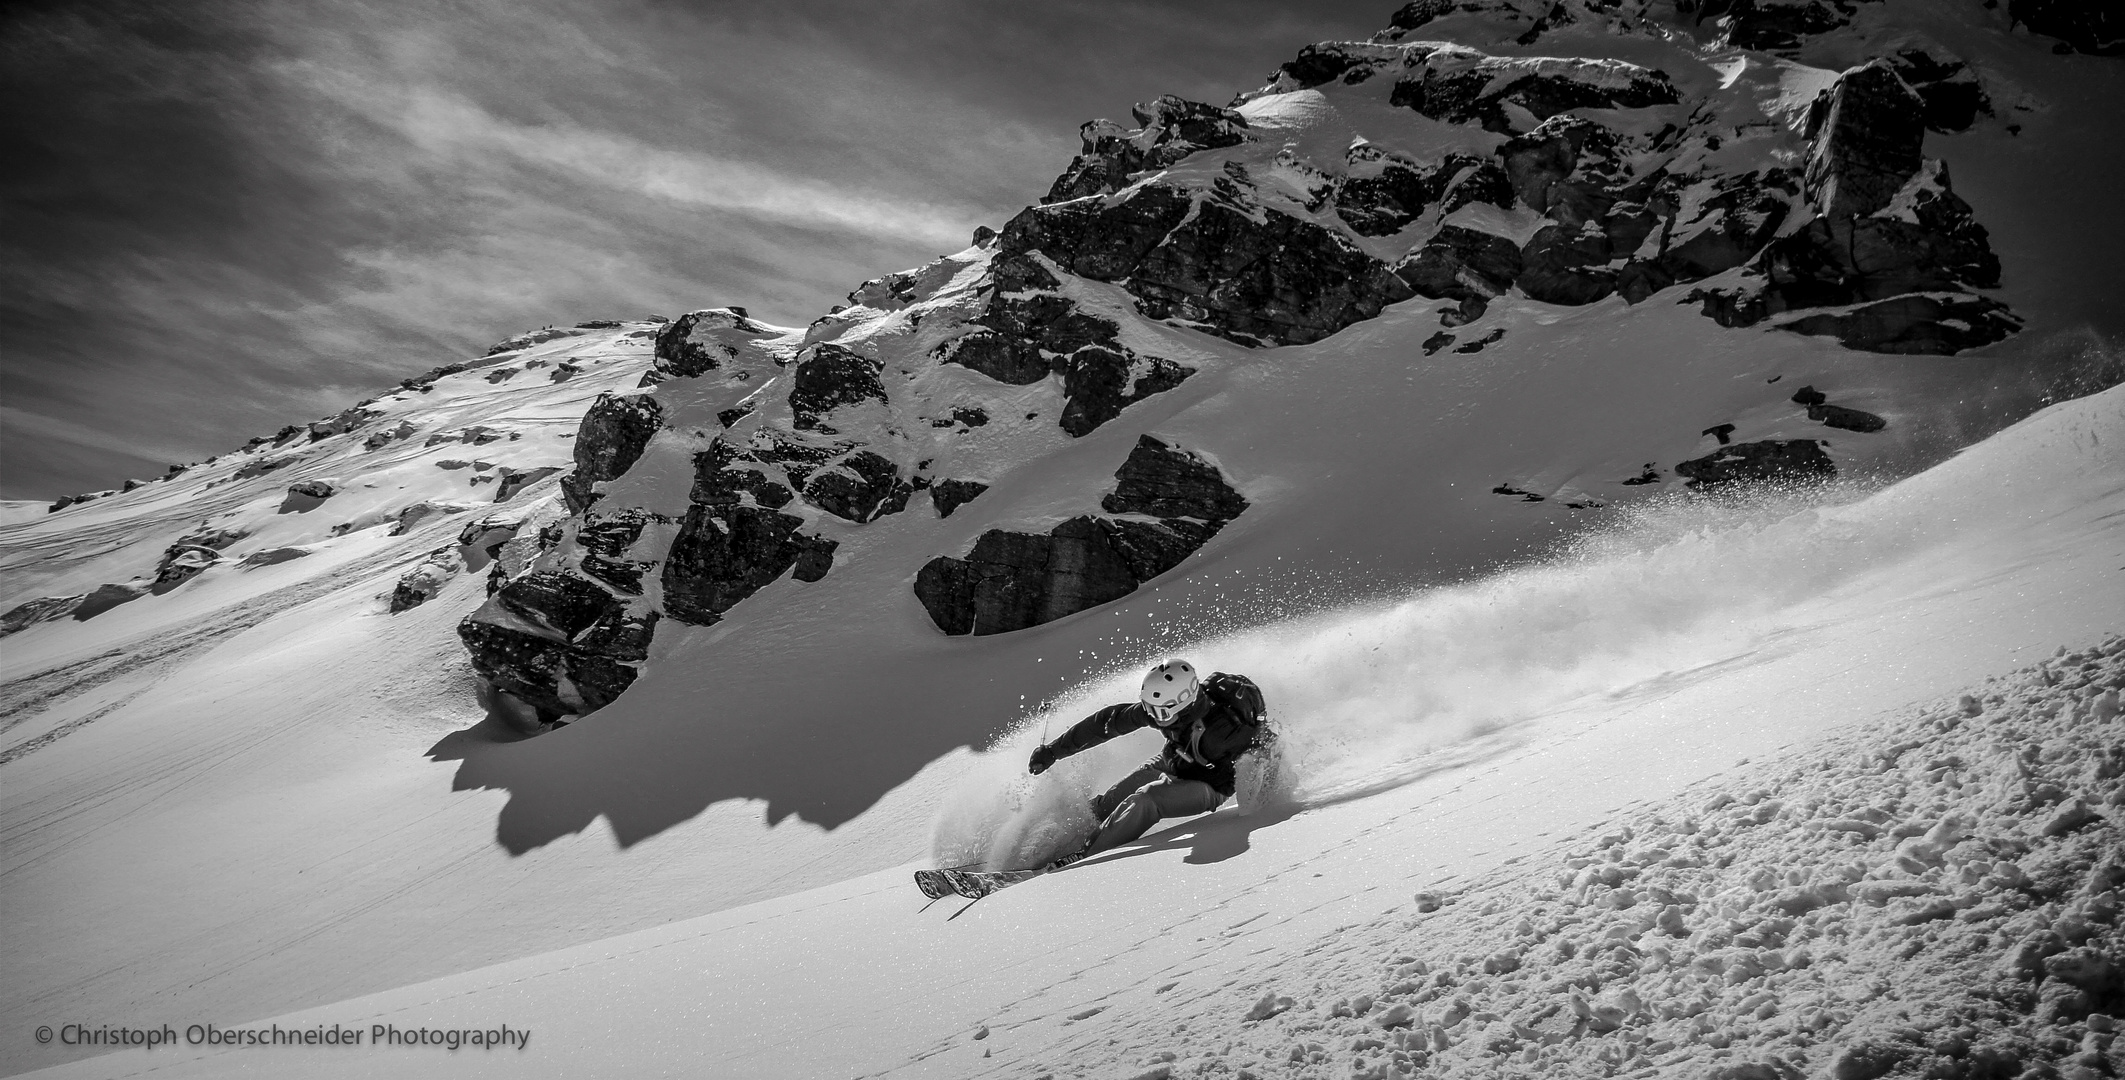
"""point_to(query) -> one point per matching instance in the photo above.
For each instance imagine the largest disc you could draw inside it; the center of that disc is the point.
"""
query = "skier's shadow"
(1209, 838)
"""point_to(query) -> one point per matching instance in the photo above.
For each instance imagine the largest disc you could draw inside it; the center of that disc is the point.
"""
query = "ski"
(972, 884)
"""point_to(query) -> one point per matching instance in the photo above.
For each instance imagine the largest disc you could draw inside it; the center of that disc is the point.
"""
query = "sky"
(224, 216)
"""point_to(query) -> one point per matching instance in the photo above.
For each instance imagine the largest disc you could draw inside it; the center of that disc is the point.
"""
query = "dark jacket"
(1203, 743)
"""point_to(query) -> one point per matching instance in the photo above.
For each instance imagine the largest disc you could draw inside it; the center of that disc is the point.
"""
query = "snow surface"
(1979, 565)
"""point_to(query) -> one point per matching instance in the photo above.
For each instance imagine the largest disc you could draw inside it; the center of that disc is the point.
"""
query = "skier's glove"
(1041, 759)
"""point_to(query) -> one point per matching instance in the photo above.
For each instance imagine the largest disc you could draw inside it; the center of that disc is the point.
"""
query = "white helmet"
(1169, 688)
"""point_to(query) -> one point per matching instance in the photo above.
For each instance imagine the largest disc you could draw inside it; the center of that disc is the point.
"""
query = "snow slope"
(1999, 556)
(261, 791)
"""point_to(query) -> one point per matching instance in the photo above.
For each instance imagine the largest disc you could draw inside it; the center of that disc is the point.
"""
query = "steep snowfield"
(1980, 565)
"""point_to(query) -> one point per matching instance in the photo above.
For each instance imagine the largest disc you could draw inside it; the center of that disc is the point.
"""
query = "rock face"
(609, 442)
(1888, 227)
(1757, 462)
(1364, 175)
(1204, 260)
(558, 643)
(1169, 129)
(2094, 28)
(1175, 501)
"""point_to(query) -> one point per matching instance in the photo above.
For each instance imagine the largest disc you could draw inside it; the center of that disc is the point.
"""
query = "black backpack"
(1237, 725)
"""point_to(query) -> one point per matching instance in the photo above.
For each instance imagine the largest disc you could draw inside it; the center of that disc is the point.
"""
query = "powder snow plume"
(1373, 696)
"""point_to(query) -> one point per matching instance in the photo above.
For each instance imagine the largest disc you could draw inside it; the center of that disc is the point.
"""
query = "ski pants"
(1130, 808)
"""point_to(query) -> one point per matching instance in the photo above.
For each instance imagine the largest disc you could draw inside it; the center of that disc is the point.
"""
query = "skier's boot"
(1072, 858)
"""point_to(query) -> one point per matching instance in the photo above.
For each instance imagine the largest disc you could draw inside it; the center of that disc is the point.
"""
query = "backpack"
(1237, 726)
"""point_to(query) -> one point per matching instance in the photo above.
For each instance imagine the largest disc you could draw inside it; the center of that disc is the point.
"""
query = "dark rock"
(605, 540)
(1279, 280)
(1838, 416)
(1318, 64)
(1010, 581)
(609, 441)
(105, 597)
(1723, 432)
(1481, 343)
(420, 584)
(2088, 26)
(1563, 168)
(722, 476)
(699, 342)
(249, 469)
(1523, 494)
(1808, 395)
(735, 413)
(1162, 480)
(1649, 475)
(1460, 92)
(1750, 209)
(1774, 25)
(1171, 128)
(485, 536)
(559, 677)
(859, 487)
(1915, 324)
(513, 481)
(1099, 383)
(724, 554)
(521, 341)
(1459, 263)
(337, 425)
(1386, 203)
(830, 378)
(1954, 97)
(1564, 264)
(1868, 131)
(1437, 341)
(950, 495)
(42, 609)
(181, 562)
(1756, 462)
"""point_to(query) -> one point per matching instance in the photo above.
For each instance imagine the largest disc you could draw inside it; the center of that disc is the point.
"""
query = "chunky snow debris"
(1935, 895)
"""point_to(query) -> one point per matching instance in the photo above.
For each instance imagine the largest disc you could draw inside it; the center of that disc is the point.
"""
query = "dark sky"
(224, 216)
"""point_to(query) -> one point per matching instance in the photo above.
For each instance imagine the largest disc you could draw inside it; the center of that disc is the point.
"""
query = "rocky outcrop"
(702, 341)
(43, 609)
(1258, 277)
(950, 495)
(420, 584)
(1888, 228)
(509, 482)
(1174, 502)
(829, 378)
(558, 643)
(1837, 416)
(2094, 28)
(1030, 331)
(1774, 25)
(1458, 85)
(1168, 130)
(609, 441)
(1772, 460)
(1939, 326)
(724, 554)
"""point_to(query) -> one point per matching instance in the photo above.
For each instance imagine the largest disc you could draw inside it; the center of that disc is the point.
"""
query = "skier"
(1208, 724)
